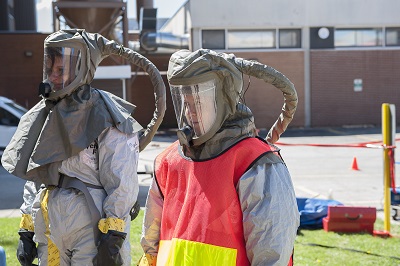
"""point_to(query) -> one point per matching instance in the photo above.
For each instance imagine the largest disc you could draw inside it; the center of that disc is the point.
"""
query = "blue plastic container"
(2, 257)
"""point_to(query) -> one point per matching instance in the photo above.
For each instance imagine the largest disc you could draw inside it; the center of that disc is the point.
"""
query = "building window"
(358, 37)
(290, 38)
(392, 36)
(213, 39)
(251, 39)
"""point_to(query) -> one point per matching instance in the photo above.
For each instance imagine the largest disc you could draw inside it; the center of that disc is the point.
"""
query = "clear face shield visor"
(195, 106)
(61, 66)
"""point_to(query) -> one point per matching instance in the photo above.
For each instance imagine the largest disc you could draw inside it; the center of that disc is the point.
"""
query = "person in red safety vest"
(221, 195)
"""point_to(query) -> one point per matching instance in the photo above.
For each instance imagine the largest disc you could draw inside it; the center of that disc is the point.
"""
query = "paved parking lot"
(328, 172)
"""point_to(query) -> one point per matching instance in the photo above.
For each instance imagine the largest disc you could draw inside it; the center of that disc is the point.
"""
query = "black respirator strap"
(44, 89)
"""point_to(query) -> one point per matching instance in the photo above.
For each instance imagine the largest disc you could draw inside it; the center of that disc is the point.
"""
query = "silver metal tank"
(98, 16)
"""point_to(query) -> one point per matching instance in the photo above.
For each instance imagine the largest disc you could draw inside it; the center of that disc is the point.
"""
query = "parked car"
(10, 114)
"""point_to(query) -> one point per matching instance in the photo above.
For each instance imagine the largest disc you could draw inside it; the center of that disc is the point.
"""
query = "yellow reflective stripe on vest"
(180, 252)
(26, 222)
(53, 253)
(111, 223)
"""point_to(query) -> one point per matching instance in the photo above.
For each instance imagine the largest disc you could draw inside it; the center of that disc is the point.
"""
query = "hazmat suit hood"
(90, 48)
(193, 68)
(188, 71)
(68, 120)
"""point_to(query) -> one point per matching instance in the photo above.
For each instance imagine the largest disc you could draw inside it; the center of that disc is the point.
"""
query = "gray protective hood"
(234, 120)
(49, 133)
(94, 49)
(187, 67)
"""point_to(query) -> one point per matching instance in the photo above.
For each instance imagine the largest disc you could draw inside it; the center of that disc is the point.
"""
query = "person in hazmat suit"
(220, 195)
(82, 144)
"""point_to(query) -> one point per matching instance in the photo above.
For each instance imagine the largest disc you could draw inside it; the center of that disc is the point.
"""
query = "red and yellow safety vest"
(202, 217)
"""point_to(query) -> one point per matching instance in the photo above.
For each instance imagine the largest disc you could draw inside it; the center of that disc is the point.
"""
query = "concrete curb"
(10, 213)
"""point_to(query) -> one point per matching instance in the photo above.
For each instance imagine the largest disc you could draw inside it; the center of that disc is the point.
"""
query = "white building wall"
(180, 23)
(293, 13)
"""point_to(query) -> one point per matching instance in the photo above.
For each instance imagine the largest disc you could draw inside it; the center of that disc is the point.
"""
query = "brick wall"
(333, 99)
(265, 100)
(20, 75)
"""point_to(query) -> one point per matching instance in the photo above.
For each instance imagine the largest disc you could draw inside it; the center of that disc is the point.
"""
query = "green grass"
(318, 247)
(312, 247)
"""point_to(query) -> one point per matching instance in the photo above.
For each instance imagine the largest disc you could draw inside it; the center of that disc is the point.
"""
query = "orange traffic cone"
(354, 165)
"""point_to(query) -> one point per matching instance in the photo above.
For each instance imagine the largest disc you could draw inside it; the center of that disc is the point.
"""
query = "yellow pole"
(387, 141)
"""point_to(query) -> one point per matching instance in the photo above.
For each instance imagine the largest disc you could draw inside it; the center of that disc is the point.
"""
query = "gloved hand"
(135, 211)
(109, 249)
(26, 251)
(147, 260)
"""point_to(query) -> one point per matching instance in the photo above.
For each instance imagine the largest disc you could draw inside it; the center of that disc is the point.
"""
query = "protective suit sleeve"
(118, 159)
(29, 194)
(152, 221)
(270, 213)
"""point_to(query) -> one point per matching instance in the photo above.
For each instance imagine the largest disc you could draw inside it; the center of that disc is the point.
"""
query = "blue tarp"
(313, 210)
